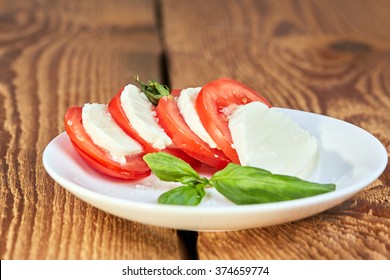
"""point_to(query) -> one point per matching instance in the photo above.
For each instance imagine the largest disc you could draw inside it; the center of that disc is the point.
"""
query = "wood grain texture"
(56, 54)
(328, 57)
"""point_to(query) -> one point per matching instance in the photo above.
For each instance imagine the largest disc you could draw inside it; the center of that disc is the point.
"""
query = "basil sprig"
(153, 90)
(239, 184)
(251, 185)
(172, 169)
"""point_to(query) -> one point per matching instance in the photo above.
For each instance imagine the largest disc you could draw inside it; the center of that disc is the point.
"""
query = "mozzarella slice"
(140, 113)
(186, 104)
(105, 133)
(266, 138)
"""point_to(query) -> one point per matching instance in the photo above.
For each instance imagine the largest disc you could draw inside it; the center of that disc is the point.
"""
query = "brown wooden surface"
(329, 57)
(54, 54)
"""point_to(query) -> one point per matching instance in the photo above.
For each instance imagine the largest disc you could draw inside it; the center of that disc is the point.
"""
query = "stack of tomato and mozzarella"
(222, 122)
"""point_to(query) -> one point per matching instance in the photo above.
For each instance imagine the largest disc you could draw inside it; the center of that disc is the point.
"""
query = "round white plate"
(349, 156)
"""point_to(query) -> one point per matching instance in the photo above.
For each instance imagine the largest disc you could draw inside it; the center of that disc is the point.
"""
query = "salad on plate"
(256, 153)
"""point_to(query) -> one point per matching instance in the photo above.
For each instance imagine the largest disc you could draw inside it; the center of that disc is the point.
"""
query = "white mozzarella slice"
(266, 138)
(186, 104)
(140, 112)
(105, 133)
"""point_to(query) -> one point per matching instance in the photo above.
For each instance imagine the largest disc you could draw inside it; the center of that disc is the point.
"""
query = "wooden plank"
(55, 54)
(328, 57)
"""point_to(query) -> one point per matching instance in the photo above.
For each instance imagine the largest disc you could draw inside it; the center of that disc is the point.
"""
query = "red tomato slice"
(98, 158)
(214, 97)
(183, 137)
(119, 115)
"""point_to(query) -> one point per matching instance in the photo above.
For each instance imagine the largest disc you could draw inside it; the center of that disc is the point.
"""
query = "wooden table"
(328, 57)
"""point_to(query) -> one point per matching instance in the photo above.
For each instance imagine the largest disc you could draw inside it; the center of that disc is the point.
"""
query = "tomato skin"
(119, 116)
(212, 99)
(183, 137)
(98, 158)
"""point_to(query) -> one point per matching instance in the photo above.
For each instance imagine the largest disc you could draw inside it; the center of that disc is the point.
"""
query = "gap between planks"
(187, 239)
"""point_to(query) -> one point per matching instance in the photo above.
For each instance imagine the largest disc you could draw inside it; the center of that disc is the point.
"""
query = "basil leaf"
(200, 189)
(250, 185)
(183, 195)
(170, 168)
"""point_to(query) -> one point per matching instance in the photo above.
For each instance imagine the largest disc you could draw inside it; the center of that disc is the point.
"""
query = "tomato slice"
(119, 116)
(183, 137)
(213, 101)
(98, 158)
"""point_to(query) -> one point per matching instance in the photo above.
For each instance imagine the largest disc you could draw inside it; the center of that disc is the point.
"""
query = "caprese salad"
(260, 154)
(219, 123)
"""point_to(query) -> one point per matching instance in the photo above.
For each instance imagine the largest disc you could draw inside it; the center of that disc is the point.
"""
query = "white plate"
(350, 157)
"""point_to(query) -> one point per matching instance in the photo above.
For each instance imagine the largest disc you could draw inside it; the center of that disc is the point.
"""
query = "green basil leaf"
(170, 168)
(183, 195)
(200, 189)
(250, 185)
